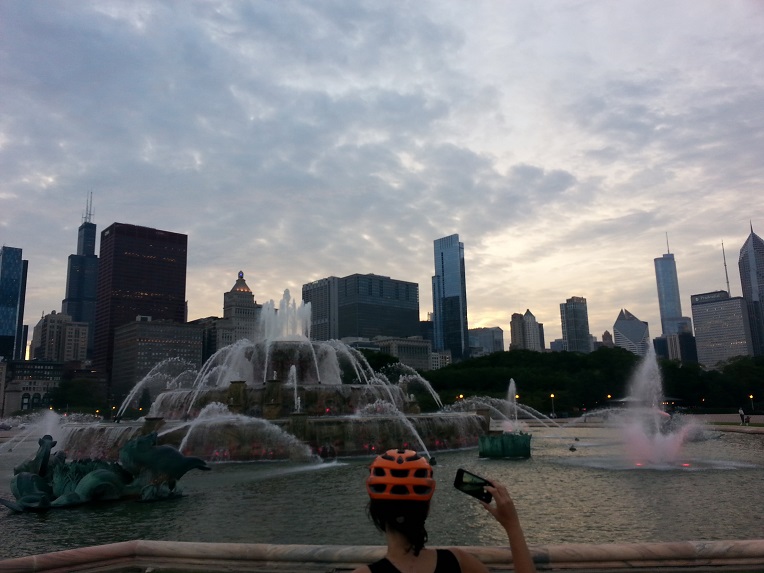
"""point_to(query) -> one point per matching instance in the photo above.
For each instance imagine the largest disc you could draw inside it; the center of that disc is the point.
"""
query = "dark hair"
(404, 516)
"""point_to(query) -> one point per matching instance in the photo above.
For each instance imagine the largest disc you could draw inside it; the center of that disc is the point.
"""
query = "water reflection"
(562, 497)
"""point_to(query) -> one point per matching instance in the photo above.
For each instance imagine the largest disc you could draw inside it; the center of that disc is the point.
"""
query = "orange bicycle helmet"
(401, 475)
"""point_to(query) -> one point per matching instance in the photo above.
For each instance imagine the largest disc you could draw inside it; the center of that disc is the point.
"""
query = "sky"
(563, 141)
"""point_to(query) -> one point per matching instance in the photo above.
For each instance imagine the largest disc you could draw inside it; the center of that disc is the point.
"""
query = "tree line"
(582, 382)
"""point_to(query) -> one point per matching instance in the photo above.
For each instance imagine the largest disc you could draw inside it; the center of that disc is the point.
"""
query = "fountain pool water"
(561, 498)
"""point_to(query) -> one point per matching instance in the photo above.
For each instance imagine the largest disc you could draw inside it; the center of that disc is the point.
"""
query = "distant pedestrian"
(742, 415)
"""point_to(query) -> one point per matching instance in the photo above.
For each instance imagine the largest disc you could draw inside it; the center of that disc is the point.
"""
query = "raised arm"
(505, 513)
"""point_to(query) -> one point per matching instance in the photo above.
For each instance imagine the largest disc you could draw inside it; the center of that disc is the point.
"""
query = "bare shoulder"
(468, 562)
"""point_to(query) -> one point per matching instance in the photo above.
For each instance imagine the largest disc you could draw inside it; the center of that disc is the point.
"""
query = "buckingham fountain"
(282, 396)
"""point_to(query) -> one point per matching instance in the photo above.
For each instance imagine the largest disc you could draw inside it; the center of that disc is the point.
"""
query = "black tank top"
(446, 563)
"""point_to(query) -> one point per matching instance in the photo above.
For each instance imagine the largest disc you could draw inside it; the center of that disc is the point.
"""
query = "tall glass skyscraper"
(751, 265)
(82, 278)
(574, 316)
(669, 302)
(449, 298)
(13, 286)
(631, 333)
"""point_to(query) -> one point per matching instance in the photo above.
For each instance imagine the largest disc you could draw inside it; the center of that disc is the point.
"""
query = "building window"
(36, 398)
(25, 401)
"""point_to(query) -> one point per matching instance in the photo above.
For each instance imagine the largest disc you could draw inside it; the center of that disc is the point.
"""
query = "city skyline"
(295, 141)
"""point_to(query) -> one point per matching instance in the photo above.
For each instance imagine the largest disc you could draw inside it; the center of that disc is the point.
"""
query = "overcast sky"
(561, 140)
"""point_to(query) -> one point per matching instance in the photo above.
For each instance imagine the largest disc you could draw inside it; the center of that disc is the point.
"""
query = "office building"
(324, 308)
(413, 352)
(241, 320)
(722, 330)
(28, 385)
(144, 344)
(362, 306)
(516, 332)
(440, 359)
(486, 340)
(607, 340)
(241, 309)
(631, 333)
(373, 305)
(141, 272)
(82, 278)
(682, 347)
(669, 300)
(449, 298)
(526, 332)
(57, 338)
(751, 265)
(574, 317)
(13, 286)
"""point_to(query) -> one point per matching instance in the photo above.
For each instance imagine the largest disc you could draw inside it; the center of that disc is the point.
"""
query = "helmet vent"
(399, 490)
(379, 472)
(421, 473)
(399, 473)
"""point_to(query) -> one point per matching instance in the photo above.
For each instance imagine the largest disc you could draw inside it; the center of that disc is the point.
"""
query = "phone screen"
(472, 484)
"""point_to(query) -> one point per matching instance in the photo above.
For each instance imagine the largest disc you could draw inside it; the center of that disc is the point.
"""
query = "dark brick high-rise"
(141, 272)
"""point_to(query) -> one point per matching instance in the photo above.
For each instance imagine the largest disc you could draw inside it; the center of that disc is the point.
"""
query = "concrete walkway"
(730, 423)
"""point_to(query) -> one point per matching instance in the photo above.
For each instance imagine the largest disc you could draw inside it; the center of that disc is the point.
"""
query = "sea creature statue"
(155, 465)
(146, 471)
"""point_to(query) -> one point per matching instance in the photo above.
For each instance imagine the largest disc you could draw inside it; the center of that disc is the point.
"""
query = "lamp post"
(552, 397)
(750, 397)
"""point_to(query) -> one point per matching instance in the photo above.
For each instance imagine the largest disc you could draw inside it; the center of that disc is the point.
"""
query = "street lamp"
(750, 397)
(552, 397)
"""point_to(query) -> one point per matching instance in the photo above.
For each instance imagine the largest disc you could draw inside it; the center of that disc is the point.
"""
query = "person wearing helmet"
(400, 487)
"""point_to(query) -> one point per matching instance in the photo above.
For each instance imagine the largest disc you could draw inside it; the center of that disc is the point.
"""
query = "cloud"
(295, 140)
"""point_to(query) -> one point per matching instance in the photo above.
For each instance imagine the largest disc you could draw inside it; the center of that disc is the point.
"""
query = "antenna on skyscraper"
(726, 275)
(668, 251)
(87, 216)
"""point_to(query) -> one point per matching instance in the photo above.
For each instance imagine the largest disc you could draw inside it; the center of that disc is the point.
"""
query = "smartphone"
(472, 484)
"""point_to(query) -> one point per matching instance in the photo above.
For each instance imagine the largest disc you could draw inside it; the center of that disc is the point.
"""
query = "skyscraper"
(526, 333)
(487, 340)
(631, 333)
(669, 301)
(324, 308)
(82, 278)
(240, 308)
(58, 339)
(751, 265)
(449, 298)
(722, 330)
(362, 306)
(574, 317)
(241, 319)
(516, 332)
(13, 286)
(141, 272)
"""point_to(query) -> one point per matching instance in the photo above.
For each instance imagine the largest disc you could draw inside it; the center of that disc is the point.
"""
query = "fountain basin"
(510, 445)
(235, 437)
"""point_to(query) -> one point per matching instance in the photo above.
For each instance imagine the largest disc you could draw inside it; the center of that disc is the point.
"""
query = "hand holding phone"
(472, 484)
